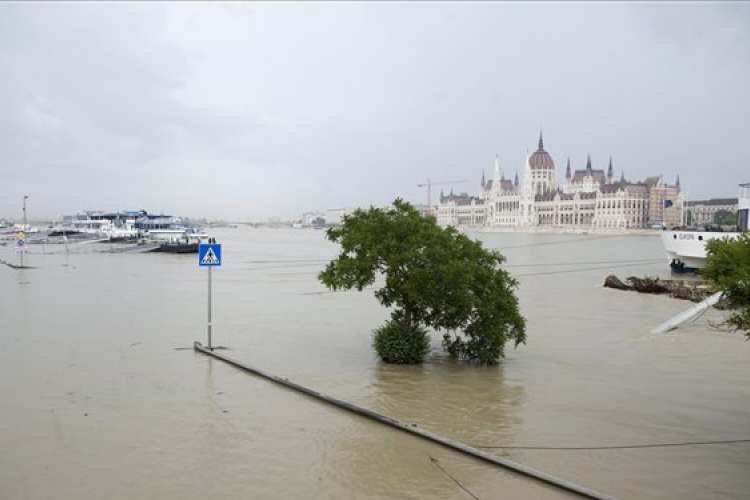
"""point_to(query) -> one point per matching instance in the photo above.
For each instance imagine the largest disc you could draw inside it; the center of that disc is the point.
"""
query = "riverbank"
(561, 230)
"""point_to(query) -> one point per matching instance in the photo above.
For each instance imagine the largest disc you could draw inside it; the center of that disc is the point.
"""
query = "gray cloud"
(250, 110)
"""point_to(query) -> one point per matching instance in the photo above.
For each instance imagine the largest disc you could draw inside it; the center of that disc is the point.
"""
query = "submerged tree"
(728, 267)
(433, 277)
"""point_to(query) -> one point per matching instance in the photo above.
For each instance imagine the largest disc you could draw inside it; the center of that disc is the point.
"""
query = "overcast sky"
(250, 110)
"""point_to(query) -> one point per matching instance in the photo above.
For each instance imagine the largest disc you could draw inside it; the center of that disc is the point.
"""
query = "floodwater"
(102, 395)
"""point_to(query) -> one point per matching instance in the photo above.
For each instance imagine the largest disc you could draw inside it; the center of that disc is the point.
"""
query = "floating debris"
(694, 290)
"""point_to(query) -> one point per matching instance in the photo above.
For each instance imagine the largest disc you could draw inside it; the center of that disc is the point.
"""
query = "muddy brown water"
(102, 395)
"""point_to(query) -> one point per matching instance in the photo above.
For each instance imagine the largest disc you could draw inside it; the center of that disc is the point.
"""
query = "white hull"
(689, 247)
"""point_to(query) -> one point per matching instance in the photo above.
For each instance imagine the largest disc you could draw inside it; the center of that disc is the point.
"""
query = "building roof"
(624, 186)
(558, 194)
(598, 176)
(505, 185)
(610, 188)
(540, 159)
(713, 201)
(652, 181)
(636, 188)
(459, 199)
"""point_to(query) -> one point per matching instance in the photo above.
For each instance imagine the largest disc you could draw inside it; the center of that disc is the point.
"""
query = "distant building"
(588, 198)
(423, 208)
(334, 216)
(665, 203)
(743, 208)
(703, 212)
(461, 210)
(309, 217)
(330, 217)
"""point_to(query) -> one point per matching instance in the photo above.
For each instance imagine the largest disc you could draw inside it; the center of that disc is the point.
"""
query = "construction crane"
(429, 185)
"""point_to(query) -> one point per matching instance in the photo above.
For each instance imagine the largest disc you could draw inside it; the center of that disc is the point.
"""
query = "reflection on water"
(483, 407)
(101, 399)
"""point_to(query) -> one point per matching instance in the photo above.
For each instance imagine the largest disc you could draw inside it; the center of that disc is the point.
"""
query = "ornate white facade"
(586, 199)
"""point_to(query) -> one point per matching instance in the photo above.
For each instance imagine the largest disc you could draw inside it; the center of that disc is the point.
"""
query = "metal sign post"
(21, 237)
(209, 255)
(209, 308)
(21, 242)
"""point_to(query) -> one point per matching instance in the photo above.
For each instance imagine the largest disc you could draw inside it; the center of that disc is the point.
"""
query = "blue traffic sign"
(209, 254)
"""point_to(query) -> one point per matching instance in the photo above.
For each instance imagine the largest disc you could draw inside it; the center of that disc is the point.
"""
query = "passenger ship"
(686, 248)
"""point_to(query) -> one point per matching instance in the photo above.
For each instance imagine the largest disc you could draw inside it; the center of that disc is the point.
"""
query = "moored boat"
(173, 236)
(105, 226)
(139, 230)
(177, 241)
(686, 248)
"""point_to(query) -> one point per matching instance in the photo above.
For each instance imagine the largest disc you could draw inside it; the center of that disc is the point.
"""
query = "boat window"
(700, 238)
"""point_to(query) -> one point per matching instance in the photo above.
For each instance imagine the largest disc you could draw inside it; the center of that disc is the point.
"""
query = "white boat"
(176, 240)
(171, 234)
(106, 226)
(686, 249)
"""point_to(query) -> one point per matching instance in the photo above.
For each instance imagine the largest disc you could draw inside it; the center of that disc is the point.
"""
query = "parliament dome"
(540, 159)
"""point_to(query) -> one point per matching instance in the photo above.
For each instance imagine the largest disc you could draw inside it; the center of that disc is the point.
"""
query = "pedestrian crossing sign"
(209, 254)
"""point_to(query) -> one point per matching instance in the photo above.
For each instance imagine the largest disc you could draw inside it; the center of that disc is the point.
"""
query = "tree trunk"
(407, 316)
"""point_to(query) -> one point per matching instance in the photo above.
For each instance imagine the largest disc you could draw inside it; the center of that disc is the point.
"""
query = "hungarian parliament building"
(587, 199)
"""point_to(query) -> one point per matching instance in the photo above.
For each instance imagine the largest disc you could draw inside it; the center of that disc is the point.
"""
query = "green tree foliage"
(433, 277)
(728, 267)
(396, 344)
